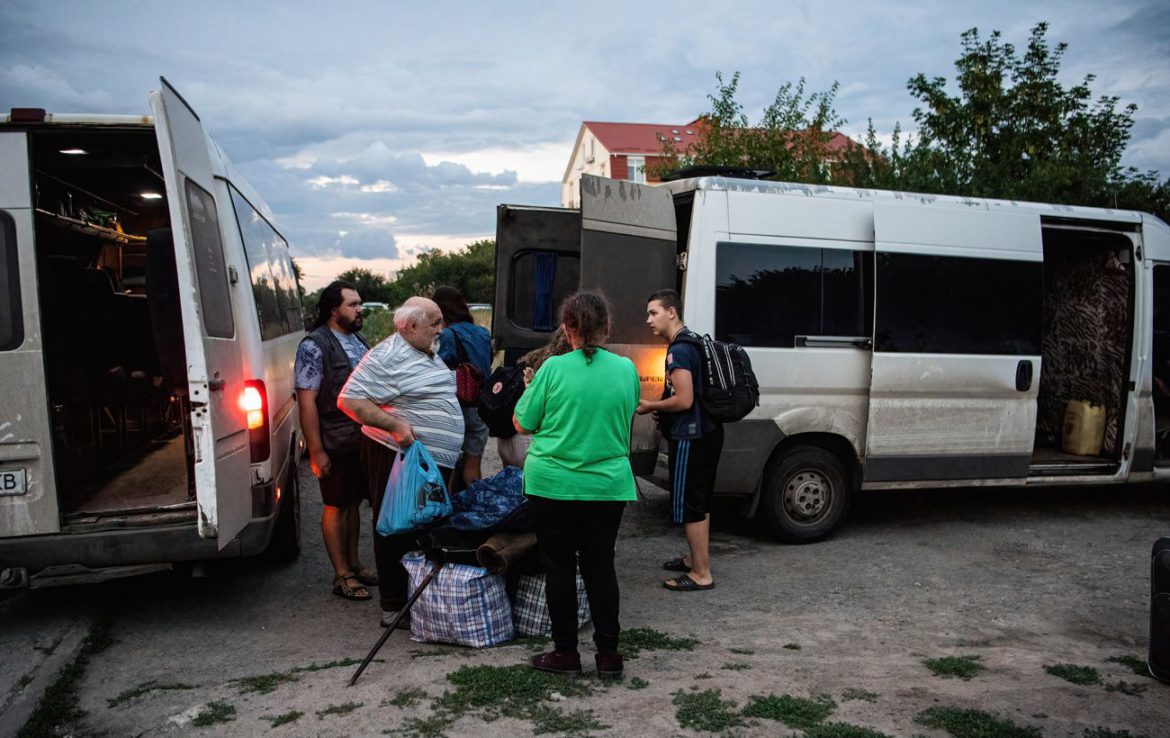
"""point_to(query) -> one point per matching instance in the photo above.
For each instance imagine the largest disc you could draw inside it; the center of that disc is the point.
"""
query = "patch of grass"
(792, 646)
(284, 719)
(736, 666)
(742, 651)
(962, 723)
(704, 675)
(1107, 733)
(1083, 675)
(1133, 663)
(328, 665)
(532, 643)
(406, 697)
(706, 711)
(214, 712)
(58, 706)
(795, 712)
(851, 694)
(264, 683)
(547, 719)
(638, 683)
(145, 688)
(514, 691)
(420, 653)
(342, 709)
(1133, 690)
(961, 667)
(842, 730)
(435, 726)
(636, 640)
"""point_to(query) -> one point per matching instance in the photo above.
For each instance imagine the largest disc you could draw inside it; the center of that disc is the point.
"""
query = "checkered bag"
(463, 605)
(530, 610)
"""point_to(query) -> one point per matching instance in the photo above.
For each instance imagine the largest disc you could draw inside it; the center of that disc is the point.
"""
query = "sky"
(375, 130)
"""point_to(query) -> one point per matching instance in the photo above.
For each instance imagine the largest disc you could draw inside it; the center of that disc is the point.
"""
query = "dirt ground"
(1020, 579)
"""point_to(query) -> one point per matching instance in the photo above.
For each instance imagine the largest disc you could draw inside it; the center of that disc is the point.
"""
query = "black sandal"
(684, 583)
(679, 564)
(342, 589)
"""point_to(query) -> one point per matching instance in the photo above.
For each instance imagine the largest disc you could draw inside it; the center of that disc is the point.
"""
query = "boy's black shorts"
(692, 475)
(345, 484)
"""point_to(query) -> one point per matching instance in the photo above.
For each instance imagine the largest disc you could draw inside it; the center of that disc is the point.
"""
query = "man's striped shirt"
(416, 387)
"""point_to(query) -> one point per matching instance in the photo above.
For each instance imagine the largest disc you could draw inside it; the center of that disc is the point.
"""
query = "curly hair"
(330, 299)
(587, 315)
(557, 345)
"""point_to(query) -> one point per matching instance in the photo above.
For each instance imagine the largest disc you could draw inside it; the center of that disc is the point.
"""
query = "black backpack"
(497, 401)
(730, 390)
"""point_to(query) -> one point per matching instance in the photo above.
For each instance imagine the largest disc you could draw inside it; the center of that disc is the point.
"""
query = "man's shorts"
(692, 476)
(475, 433)
(346, 484)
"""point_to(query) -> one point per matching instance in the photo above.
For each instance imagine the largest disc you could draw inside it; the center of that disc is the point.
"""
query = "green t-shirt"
(581, 413)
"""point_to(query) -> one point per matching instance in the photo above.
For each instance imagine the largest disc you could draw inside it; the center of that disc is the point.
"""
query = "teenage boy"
(695, 442)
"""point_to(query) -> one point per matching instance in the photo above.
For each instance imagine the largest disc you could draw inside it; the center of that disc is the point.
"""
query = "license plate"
(12, 482)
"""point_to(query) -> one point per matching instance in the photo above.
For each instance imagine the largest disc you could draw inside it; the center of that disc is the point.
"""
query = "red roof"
(643, 138)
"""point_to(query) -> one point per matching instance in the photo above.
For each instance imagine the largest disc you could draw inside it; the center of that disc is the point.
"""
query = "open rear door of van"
(628, 251)
(956, 361)
(214, 367)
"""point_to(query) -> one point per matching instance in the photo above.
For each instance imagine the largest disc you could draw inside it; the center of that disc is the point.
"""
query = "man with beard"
(402, 392)
(325, 359)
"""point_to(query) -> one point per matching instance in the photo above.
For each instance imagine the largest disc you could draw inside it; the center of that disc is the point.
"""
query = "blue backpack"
(415, 493)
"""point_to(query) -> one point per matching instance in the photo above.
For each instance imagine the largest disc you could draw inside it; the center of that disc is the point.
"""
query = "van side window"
(541, 280)
(11, 321)
(958, 305)
(767, 295)
(274, 286)
(211, 273)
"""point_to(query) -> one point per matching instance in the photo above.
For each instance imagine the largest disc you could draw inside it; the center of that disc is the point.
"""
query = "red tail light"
(254, 403)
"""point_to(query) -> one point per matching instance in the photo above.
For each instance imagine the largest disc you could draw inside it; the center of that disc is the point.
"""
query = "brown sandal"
(342, 589)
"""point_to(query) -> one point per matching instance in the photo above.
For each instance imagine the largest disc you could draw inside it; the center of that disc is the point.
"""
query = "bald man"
(402, 392)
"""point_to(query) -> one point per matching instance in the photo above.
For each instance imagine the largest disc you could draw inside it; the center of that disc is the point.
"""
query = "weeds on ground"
(406, 697)
(1129, 688)
(547, 719)
(1107, 733)
(792, 646)
(1083, 675)
(1136, 665)
(851, 694)
(706, 711)
(736, 666)
(638, 683)
(58, 706)
(741, 651)
(264, 683)
(795, 712)
(704, 675)
(961, 667)
(214, 712)
(514, 691)
(328, 665)
(342, 709)
(145, 688)
(636, 640)
(842, 730)
(973, 724)
(284, 719)
(419, 653)
(532, 643)
(434, 726)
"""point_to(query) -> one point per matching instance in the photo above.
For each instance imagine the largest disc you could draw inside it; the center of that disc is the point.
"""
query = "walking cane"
(398, 618)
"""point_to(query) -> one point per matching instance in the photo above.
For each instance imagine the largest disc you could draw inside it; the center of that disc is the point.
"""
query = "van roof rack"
(717, 171)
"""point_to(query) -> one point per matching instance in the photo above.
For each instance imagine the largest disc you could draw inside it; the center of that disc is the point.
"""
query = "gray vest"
(338, 432)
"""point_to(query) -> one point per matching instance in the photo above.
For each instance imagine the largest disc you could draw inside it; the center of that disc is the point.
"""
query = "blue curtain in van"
(546, 273)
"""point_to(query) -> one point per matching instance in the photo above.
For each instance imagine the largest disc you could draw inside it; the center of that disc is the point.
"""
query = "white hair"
(408, 316)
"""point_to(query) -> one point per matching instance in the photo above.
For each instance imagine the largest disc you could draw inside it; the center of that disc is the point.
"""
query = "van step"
(1073, 469)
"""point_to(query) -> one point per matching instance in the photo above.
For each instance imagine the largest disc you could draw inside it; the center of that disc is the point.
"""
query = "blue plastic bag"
(415, 493)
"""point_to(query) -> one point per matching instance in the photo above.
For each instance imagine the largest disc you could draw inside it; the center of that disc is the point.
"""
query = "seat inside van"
(113, 346)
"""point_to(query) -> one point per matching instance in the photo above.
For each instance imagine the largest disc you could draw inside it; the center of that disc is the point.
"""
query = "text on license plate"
(12, 482)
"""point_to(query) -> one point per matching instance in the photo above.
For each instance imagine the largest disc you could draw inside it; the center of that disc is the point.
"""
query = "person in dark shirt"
(696, 440)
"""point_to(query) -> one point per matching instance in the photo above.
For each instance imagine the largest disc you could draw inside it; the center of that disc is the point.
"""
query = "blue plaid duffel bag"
(464, 605)
(530, 609)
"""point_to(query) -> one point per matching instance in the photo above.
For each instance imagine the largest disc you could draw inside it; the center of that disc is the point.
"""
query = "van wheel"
(806, 494)
(285, 544)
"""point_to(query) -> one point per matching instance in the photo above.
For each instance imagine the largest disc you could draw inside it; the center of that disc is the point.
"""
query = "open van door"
(956, 361)
(628, 250)
(214, 366)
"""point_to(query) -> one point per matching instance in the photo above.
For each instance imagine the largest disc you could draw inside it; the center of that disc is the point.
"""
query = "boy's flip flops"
(678, 564)
(684, 583)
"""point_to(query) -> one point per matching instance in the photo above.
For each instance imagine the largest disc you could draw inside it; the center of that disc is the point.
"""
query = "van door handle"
(1024, 376)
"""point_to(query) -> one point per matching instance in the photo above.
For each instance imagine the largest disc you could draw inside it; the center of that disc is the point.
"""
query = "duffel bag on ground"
(530, 609)
(464, 605)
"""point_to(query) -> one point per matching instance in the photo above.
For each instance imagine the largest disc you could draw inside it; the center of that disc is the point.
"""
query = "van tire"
(285, 544)
(805, 496)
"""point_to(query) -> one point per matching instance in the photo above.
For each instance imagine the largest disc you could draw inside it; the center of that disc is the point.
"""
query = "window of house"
(768, 295)
(11, 322)
(958, 305)
(274, 285)
(636, 167)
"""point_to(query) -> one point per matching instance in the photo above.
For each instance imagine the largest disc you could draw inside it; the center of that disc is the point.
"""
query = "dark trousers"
(569, 531)
(389, 550)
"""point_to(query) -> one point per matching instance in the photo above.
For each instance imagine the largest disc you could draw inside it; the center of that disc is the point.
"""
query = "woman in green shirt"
(579, 407)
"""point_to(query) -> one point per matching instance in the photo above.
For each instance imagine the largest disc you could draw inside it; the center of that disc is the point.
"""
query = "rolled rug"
(502, 550)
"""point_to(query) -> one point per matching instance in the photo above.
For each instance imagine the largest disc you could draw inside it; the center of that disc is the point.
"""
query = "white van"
(900, 340)
(149, 324)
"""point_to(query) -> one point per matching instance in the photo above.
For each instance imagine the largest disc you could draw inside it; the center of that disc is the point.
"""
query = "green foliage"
(742, 651)
(842, 730)
(706, 711)
(372, 287)
(512, 691)
(636, 640)
(1076, 674)
(795, 712)
(58, 705)
(434, 726)
(1129, 688)
(852, 694)
(638, 683)
(1136, 665)
(973, 724)
(963, 667)
(263, 683)
(792, 646)
(214, 712)
(377, 324)
(145, 688)
(342, 709)
(736, 666)
(285, 718)
(471, 270)
(547, 719)
(406, 697)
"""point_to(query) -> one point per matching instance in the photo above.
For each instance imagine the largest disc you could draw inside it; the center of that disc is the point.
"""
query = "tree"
(372, 287)
(471, 270)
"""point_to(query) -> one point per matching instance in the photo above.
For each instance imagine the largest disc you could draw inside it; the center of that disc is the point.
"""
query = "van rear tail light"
(254, 403)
